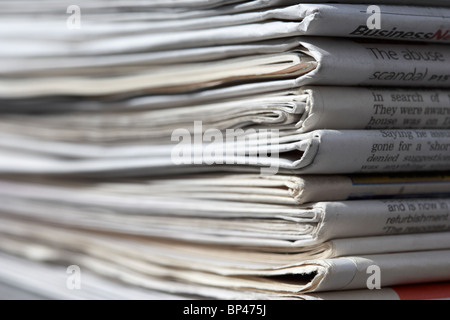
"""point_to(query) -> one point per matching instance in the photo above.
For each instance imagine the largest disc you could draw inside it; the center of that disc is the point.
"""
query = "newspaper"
(19, 66)
(333, 152)
(225, 222)
(184, 5)
(379, 64)
(374, 108)
(37, 281)
(32, 278)
(274, 241)
(306, 109)
(278, 189)
(285, 189)
(432, 291)
(318, 275)
(398, 22)
(204, 257)
(333, 57)
(162, 79)
(106, 269)
(318, 152)
(342, 20)
(278, 109)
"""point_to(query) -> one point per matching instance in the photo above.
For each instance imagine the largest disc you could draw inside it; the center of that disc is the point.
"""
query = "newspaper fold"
(252, 188)
(9, 6)
(319, 275)
(379, 64)
(374, 108)
(313, 20)
(331, 20)
(286, 189)
(305, 110)
(318, 152)
(223, 222)
(31, 278)
(164, 79)
(225, 259)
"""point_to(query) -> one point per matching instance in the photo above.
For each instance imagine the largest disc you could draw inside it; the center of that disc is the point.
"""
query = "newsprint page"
(225, 159)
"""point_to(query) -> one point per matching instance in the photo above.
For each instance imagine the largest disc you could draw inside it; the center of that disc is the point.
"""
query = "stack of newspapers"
(205, 149)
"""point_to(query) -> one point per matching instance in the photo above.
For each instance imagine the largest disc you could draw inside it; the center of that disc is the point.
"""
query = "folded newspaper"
(318, 152)
(100, 97)
(286, 189)
(24, 279)
(315, 61)
(104, 34)
(222, 222)
(316, 275)
(306, 109)
(252, 188)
